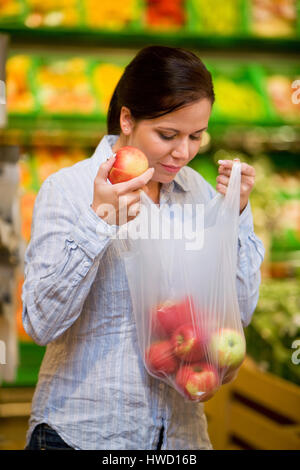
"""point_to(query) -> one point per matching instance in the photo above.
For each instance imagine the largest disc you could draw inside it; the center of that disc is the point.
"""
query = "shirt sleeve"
(250, 256)
(60, 263)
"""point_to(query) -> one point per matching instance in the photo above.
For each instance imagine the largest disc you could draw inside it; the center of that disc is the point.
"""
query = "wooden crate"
(15, 406)
(257, 411)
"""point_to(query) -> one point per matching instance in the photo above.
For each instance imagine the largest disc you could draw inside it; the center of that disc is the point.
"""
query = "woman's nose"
(181, 150)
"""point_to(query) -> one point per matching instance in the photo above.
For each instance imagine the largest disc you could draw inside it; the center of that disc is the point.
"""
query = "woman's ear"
(126, 121)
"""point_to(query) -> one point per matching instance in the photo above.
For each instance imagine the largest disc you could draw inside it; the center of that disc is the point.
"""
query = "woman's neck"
(152, 189)
(118, 144)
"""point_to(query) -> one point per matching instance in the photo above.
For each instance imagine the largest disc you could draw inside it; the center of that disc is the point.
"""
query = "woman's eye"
(170, 137)
(166, 137)
(194, 137)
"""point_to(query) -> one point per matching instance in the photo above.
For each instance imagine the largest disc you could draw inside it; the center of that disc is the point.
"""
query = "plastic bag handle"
(232, 196)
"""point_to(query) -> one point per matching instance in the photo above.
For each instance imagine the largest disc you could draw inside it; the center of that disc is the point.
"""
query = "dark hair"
(157, 81)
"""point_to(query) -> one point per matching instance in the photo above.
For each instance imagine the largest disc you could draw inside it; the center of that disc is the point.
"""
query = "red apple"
(171, 314)
(197, 381)
(182, 375)
(160, 359)
(129, 163)
(189, 343)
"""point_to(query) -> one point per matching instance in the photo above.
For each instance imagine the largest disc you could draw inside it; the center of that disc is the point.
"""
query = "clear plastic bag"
(184, 294)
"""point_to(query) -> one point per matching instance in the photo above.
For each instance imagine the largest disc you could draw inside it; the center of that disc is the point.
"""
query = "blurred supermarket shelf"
(137, 39)
(27, 131)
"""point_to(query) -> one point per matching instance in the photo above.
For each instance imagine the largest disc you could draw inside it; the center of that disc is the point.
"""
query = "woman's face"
(170, 140)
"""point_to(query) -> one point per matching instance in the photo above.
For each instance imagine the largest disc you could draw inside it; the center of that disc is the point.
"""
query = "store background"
(61, 60)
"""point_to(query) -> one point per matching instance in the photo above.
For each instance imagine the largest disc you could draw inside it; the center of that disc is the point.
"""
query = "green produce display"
(275, 327)
(239, 96)
(81, 86)
(206, 166)
(61, 86)
(208, 18)
(64, 87)
(20, 75)
(31, 356)
(224, 18)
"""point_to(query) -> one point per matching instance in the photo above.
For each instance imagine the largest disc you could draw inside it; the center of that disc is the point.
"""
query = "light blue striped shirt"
(93, 388)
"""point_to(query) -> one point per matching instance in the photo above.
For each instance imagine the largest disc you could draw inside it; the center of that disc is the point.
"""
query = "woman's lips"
(171, 169)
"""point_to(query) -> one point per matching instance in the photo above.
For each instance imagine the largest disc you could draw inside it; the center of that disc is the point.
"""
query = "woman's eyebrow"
(176, 130)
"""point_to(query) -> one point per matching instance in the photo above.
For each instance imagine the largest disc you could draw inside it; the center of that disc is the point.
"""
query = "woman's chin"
(163, 178)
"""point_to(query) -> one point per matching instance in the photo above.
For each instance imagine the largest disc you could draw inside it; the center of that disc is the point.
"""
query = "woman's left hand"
(247, 180)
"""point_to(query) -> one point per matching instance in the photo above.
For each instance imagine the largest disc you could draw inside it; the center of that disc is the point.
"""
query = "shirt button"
(86, 265)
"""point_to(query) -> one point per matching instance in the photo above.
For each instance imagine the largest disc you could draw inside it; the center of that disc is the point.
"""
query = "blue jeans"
(44, 437)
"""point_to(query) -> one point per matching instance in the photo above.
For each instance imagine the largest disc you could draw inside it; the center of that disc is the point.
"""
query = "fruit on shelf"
(129, 163)
(227, 348)
(64, 87)
(52, 13)
(105, 79)
(280, 90)
(274, 18)
(34, 169)
(10, 8)
(198, 381)
(106, 14)
(223, 18)
(165, 14)
(160, 359)
(19, 96)
(238, 101)
(48, 160)
(27, 201)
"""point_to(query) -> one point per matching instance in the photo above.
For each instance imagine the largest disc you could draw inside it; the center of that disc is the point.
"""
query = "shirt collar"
(104, 151)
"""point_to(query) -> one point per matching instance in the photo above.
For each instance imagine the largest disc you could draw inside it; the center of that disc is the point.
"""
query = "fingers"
(134, 209)
(226, 166)
(221, 188)
(223, 181)
(135, 183)
(129, 199)
(225, 174)
(104, 169)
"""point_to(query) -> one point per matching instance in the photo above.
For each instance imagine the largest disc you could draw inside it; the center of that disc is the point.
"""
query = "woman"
(93, 390)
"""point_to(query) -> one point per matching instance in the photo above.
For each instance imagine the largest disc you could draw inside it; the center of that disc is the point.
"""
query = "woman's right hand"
(117, 203)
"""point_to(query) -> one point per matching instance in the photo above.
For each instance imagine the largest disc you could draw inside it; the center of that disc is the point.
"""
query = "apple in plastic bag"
(229, 376)
(198, 381)
(129, 163)
(228, 348)
(160, 359)
(169, 315)
(189, 343)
